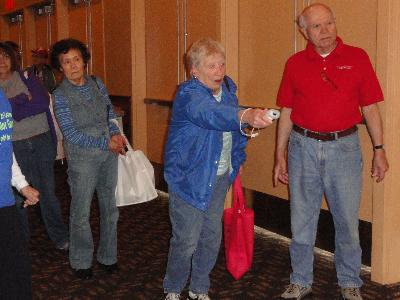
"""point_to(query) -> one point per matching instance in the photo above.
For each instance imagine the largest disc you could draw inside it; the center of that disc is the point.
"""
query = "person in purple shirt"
(34, 141)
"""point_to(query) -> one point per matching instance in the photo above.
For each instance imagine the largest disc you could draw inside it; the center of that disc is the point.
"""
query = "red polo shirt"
(325, 94)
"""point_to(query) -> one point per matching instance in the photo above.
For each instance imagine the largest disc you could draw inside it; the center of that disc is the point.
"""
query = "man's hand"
(280, 171)
(379, 165)
(31, 195)
(284, 129)
(374, 124)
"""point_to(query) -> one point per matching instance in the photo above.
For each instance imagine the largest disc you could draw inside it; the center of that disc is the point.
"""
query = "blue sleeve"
(111, 114)
(67, 126)
(202, 110)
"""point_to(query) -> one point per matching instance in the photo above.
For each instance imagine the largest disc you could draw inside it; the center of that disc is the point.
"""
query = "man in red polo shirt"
(321, 93)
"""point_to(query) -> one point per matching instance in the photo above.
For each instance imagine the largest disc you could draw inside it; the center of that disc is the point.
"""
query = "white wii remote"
(273, 114)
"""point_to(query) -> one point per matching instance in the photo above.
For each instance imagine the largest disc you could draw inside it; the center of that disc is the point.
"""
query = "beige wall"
(386, 204)
(117, 47)
(111, 42)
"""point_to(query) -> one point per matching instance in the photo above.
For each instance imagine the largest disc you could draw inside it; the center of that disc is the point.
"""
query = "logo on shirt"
(344, 67)
(6, 123)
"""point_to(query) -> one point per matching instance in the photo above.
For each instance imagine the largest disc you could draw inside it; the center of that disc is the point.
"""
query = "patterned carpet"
(144, 233)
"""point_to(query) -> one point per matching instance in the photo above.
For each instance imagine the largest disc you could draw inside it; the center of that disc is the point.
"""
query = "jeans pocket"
(350, 143)
(295, 144)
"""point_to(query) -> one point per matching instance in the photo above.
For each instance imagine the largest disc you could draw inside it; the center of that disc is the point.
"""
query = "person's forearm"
(374, 123)
(17, 179)
(284, 129)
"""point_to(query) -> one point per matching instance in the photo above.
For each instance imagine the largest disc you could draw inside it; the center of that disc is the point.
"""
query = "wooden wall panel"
(266, 40)
(61, 19)
(14, 32)
(386, 209)
(157, 127)
(4, 28)
(77, 29)
(41, 31)
(14, 35)
(98, 38)
(118, 61)
(161, 48)
(30, 35)
(77, 24)
(203, 20)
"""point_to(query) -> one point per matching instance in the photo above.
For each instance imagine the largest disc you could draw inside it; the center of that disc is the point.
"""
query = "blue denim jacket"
(194, 142)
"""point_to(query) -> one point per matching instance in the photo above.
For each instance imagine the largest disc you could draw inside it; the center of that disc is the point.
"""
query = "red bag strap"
(238, 196)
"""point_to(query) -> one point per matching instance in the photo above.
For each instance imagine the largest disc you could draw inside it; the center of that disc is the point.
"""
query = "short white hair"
(301, 18)
(201, 49)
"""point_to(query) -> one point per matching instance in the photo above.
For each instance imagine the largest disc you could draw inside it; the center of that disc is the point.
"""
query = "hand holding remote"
(273, 114)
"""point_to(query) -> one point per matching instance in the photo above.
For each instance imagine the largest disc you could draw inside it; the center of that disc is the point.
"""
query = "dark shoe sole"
(110, 268)
(84, 273)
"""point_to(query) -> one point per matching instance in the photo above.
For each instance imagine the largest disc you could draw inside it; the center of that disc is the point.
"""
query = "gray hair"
(201, 49)
(301, 18)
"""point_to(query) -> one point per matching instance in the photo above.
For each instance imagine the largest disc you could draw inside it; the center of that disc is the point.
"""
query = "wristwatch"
(379, 147)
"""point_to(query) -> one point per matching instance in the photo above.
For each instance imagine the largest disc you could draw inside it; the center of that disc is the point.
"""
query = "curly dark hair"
(62, 47)
(6, 50)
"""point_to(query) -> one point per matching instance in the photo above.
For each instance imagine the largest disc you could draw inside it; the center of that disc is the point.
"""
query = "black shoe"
(110, 268)
(63, 247)
(84, 273)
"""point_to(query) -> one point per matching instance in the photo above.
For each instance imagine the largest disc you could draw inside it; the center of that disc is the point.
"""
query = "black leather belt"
(325, 136)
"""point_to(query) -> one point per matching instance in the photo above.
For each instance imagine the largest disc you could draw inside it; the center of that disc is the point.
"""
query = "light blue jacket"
(194, 142)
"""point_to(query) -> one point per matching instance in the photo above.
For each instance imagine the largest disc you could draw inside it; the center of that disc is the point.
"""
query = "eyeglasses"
(326, 78)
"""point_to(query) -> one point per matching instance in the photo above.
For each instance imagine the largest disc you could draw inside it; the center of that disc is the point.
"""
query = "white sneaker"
(193, 296)
(351, 293)
(173, 296)
(296, 291)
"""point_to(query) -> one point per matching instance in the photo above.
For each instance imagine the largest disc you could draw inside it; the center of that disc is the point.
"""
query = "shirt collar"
(312, 54)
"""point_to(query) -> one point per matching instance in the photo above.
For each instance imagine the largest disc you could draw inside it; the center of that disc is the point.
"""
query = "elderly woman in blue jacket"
(203, 155)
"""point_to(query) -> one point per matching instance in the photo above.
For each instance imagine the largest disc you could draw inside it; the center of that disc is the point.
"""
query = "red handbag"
(238, 233)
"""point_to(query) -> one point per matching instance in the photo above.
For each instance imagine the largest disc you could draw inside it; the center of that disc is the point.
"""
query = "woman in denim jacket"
(92, 143)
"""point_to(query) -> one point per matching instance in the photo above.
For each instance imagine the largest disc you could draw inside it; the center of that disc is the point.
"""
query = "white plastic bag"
(135, 182)
(135, 179)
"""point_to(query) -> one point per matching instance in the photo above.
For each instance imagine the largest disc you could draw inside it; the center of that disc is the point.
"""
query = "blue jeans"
(35, 157)
(89, 171)
(333, 168)
(195, 242)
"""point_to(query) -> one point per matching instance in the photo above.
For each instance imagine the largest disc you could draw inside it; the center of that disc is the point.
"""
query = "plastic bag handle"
(115, 121)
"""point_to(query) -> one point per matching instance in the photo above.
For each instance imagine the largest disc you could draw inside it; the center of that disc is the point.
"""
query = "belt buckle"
(336, 135)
